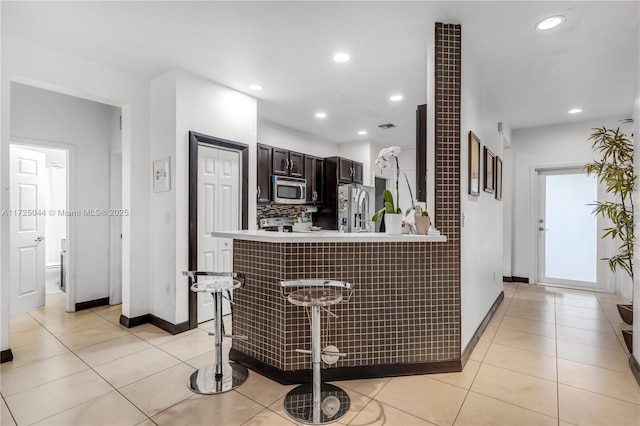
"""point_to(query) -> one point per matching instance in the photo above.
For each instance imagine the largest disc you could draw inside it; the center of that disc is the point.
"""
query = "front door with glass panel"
(566, 229)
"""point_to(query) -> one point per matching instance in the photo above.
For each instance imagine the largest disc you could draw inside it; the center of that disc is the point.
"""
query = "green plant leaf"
(376, 217)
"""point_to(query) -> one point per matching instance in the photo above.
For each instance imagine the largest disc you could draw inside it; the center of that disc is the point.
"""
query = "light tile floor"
(549, 356)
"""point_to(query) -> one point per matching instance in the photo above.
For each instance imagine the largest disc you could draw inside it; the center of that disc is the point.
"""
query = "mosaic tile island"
(403, 317)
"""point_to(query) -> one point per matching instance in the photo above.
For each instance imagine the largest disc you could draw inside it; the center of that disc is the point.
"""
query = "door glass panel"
(571, 228)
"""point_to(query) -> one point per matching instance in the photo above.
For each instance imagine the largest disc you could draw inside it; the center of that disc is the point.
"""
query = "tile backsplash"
(280, 210)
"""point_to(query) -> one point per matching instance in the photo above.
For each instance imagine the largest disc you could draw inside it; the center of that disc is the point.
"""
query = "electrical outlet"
(494, 276)
(167, 289)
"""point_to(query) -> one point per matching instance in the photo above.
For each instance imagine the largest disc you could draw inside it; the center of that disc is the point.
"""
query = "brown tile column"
(448, 38)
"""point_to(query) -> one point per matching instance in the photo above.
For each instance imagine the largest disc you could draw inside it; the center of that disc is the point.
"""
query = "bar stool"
(317, 402)
(220, 376)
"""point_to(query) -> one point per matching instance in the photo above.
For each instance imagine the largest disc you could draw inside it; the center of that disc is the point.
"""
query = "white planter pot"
(393, 223)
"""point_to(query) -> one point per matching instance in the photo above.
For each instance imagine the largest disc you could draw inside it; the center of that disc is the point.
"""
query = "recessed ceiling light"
(395, 98)
(575, 111)
(321, 114)
(362, 132)
(256, 87)
(552, 22)
(341, 57)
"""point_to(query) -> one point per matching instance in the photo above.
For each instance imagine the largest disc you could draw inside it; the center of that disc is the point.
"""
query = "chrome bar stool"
(317, 402)
(220, 376)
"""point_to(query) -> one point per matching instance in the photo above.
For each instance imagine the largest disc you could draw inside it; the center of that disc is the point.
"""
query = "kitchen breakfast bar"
(403, 317)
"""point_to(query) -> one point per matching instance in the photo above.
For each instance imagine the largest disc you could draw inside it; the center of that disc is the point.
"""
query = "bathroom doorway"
(38, 224)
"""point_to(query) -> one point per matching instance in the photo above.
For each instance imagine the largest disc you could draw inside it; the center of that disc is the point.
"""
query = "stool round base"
(203, 380)
(334, 403)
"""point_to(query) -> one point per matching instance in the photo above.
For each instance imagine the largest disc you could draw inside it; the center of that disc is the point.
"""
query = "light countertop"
(326, 237)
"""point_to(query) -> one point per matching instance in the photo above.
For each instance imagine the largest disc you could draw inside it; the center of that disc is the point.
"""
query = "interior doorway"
(38, 224)
(566, 230)
(380, 185)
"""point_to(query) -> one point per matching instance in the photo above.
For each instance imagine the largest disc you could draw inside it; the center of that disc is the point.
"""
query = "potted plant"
(392, 212)
(421, 217)
(615, 170)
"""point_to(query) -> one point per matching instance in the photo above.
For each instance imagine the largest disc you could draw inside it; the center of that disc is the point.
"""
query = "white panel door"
(27, 222)
(218, 210)
(567, 230)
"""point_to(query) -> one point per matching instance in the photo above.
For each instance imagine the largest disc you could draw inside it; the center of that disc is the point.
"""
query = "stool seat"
(216, 285)
(315, 296)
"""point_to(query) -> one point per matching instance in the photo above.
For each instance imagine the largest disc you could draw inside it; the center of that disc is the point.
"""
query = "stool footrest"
(235, 336)
(332, 353)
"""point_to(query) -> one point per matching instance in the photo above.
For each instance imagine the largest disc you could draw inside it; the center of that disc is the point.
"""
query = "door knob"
(542, 229)
(40, 238)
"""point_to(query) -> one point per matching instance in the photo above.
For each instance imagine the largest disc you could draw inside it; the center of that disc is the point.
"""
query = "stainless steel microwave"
(288, 190)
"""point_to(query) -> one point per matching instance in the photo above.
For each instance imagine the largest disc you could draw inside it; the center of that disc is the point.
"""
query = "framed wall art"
(498, 178)
(474, 164)
(489, 174)
(162, 175)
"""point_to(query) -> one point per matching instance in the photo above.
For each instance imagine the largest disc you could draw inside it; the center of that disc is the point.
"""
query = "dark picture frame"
(474, 164)
(498, 178)
(489, 176)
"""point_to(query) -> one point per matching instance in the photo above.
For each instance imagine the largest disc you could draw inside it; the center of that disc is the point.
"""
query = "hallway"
(549, 356)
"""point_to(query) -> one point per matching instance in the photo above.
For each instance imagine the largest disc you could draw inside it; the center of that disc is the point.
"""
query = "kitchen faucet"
(363, 211)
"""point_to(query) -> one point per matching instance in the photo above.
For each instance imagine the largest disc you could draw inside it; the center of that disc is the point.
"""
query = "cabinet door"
(345, 172)
(280, 162)
(296, 164)
(319, 181)
(357, 172)
(264, 174)
(314, 174)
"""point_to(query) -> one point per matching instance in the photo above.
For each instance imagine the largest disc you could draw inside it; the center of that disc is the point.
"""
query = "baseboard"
(167, 326)
(6, 356)
(483, 325)
(344, 373)
(158, 322)
(135, 321)
(515, 280)
(635, 367)
(92, 304)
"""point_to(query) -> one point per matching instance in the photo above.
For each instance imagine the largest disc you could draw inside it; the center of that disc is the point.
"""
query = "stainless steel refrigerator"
(355, 208)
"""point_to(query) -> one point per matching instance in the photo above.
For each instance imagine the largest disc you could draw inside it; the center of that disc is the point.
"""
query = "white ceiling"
(287, 46)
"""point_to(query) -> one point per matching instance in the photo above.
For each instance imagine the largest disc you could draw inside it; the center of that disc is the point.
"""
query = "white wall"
(481, 243)
(182, 102)
(636, 262)
(46, 68)
(273, 134)
(42, 115)
(547, 146)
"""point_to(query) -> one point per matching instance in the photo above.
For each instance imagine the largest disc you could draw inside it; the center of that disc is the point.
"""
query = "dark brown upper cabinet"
(287, 163)
(349, 171)
(314, 174)
(264, 174)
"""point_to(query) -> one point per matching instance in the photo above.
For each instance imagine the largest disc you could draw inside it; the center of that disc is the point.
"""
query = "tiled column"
(447, 169)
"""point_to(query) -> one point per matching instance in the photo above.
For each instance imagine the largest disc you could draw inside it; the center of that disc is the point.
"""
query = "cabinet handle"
(291, 165)
(286, 167)
(258, 193)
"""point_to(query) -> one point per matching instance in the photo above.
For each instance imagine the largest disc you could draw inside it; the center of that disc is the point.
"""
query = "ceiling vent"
(387, 126)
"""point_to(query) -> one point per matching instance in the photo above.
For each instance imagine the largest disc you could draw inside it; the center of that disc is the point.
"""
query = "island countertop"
(326, 237)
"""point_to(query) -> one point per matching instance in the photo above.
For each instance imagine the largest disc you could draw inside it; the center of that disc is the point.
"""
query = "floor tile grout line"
(555, 321)
(600, 394)
(4, 401)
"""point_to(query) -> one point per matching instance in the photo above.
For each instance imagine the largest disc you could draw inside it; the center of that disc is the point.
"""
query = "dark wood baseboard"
(6, 356)
(158, 322)
(167, 326)
(635, 367)
(344, 373)
(92, 304)
(483, 325)
(135, 321)
(515, 280)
